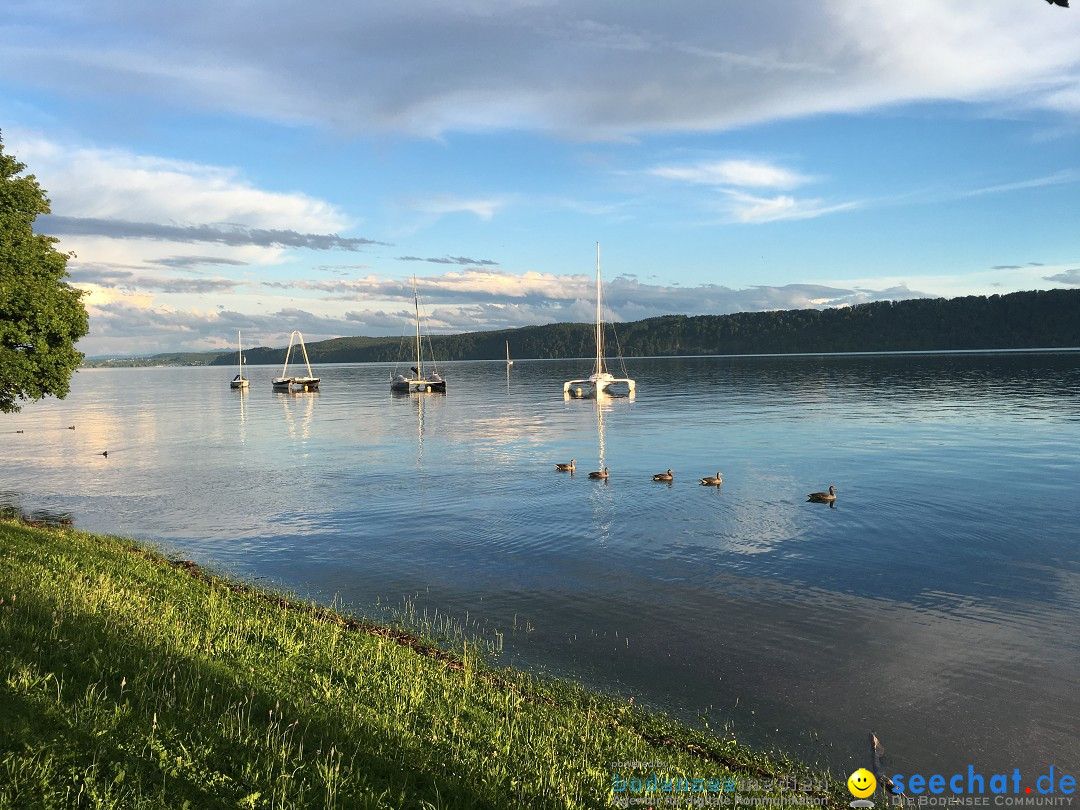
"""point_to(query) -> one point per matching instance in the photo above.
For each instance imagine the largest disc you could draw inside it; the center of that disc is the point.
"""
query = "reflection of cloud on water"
(757, 526)
(241, 394)
(756, 532)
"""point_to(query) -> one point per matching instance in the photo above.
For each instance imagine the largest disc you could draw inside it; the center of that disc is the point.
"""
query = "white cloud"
(118, 184)
(137, 223)
(442, 205)
(747, 208)
(748, 173)
(585, 68)
(997, 280)
(1058, 178)
(731, 177)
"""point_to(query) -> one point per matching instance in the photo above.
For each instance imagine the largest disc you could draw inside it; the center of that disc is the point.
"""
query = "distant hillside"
(1024, 320)
(164, 359)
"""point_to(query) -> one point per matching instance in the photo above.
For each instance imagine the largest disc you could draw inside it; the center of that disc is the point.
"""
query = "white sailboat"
(287, 383)
(601, 380)
(239, 381)
(509, 362)
(419, 382)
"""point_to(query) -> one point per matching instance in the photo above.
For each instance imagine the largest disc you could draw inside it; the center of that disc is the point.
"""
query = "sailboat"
(509, 362)
(287, 383)
(419, 381)
(239, 381)
(601, 379)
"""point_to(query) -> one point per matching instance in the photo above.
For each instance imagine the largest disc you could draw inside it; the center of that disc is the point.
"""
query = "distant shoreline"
(1036, 320)
(911, 353)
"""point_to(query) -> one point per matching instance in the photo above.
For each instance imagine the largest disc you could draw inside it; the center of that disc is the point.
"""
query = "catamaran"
(287, 383)
(419, 381)
(239, 381)
(601, 380)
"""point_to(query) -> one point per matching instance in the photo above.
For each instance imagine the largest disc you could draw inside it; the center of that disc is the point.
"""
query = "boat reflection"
(602, 498)
(290, 400)
(429, 400)
(241, 394)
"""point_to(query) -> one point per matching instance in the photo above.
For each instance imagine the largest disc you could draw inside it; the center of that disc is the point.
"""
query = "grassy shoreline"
(129, 680)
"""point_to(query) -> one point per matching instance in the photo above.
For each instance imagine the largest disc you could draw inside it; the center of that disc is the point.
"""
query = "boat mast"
(416, 305)
(599, 332)
(288, 351)
(239, 354)
(306, 361)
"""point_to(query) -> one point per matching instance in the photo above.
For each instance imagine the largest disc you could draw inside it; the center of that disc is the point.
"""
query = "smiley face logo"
(861, 783)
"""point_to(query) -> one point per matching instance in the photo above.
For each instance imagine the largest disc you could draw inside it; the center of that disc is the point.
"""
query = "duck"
(71, 427)
(823, 497)
(565, 467)
(709, 481)
(104, 453)
(599, 473)
(663, 476)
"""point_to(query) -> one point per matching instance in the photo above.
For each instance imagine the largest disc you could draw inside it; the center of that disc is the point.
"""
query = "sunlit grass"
(129, 681)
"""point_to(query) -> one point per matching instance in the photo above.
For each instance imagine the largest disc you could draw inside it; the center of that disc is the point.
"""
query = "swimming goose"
(663, 476)
(709, 481)
(599, 474)
(823, 497)
(565, 467)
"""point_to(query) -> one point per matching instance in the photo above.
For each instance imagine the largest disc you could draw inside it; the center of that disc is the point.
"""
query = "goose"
(823, 497)
(71, 427)
(713, 482)
(104, 453)
(599, 474)
(565, 467)
(663, 476)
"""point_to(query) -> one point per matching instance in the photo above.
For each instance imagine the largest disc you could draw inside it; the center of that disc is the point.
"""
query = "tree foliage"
(41, 316)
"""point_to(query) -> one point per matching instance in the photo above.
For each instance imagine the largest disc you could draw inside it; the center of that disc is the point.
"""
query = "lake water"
(938, 603)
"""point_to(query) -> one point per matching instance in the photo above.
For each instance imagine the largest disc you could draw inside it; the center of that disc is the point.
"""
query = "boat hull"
(296, 384)
(408, 385)
(602, 383)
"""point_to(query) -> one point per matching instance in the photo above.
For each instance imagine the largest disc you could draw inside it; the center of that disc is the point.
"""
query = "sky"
(276, 165)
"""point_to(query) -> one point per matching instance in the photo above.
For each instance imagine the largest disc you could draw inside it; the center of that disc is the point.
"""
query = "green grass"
(128, 680)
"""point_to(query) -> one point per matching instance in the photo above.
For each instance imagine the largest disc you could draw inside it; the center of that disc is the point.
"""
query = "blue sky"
(272, 166)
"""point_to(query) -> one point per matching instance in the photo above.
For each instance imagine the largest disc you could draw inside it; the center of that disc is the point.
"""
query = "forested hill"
(1016, 321)
(1041, 319)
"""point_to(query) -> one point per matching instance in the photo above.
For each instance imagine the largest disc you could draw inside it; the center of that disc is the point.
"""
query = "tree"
(41, 315)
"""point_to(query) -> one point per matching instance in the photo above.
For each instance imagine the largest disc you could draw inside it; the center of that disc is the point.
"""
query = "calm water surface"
(938, 603)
